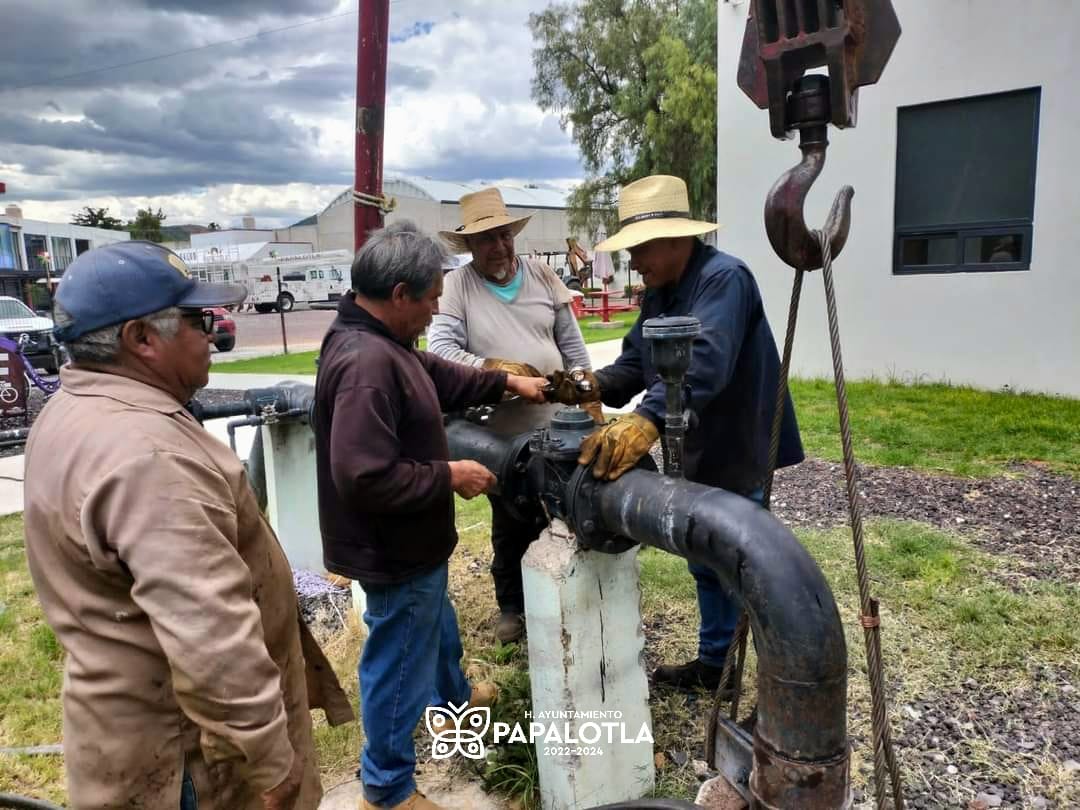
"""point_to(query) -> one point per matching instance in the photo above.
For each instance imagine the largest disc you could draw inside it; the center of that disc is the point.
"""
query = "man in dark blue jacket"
(733, 378)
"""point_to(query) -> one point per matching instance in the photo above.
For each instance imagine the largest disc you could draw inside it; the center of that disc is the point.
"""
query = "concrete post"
(583, 614)
(292, 504)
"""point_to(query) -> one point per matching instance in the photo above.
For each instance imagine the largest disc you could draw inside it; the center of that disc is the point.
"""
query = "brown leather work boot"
(415, 802)
(511, 627)
(484, 693)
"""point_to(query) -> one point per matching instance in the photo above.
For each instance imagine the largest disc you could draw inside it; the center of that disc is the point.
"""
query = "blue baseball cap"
(127, 280)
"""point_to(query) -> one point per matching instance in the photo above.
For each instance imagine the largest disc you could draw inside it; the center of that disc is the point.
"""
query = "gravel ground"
(981, 748)
(1030, 515)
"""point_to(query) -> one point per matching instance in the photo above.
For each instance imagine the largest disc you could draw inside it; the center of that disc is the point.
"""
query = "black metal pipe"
(23, 803)
(470, 442)
(14, 435)
(802, 670)
(204, 411)
(800, 740)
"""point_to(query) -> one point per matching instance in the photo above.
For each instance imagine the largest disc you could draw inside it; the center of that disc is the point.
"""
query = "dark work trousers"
(509, 540)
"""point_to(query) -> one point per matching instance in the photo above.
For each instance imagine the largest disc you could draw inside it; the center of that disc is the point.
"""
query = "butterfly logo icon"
(457, 730)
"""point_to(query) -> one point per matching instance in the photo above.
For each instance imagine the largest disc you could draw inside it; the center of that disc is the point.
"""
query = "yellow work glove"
(565, 388)
(512, 367)
(618, 445)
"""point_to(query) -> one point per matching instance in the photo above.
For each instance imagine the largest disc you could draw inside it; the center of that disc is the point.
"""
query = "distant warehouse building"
(433, 205)
(962, 260)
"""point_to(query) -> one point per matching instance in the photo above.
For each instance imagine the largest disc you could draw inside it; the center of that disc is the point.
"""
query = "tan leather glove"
(567, 390)
(618, 445)
(512, 367)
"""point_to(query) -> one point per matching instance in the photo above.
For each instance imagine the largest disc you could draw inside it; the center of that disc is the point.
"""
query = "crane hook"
(785, 223)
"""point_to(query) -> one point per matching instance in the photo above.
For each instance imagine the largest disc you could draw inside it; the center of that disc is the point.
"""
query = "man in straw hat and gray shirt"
(188, 676)
(502, 305)
(733, 378)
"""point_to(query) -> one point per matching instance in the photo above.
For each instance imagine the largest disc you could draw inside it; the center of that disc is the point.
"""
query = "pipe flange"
(583, 510)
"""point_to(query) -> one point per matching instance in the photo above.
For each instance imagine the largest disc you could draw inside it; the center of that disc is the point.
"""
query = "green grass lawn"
(941, 428)
(304, 362)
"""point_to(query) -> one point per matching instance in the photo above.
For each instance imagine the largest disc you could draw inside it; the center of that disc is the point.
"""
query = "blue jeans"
(411, 659)
(188, 799)
(719, 612)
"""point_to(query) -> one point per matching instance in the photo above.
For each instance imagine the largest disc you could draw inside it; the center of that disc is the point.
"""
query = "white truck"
(305, 278)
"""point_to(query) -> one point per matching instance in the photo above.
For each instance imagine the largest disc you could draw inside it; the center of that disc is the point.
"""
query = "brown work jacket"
(174, 603)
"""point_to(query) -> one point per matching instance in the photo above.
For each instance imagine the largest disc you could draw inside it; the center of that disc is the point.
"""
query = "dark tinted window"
(965, 183)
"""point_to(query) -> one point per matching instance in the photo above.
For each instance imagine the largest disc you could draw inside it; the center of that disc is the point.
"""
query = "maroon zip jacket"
(386, 509)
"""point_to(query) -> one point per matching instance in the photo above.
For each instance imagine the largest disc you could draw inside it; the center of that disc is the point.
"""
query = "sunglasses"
(200, 319)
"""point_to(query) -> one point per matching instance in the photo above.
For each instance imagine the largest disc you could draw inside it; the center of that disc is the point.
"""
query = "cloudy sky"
(262, 125)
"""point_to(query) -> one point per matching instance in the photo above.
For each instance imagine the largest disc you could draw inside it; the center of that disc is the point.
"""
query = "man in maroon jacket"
(386, 495)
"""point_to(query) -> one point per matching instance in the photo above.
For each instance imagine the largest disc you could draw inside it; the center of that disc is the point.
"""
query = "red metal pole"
(372, 37)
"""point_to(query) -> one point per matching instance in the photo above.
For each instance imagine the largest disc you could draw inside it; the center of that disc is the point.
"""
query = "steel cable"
(885, 770)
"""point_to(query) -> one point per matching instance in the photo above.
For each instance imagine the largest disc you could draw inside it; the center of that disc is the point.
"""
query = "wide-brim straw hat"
(482, 211)
(653, 208)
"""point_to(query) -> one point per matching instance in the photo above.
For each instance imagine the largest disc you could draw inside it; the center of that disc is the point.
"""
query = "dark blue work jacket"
(734, 370)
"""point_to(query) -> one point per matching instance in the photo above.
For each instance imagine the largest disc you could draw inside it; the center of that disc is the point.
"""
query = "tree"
(97, 218)
(147, 225)
(635, 82)
(213, 226)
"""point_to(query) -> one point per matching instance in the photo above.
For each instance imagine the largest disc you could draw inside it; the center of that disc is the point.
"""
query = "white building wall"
(1020, 329)
(97, 237)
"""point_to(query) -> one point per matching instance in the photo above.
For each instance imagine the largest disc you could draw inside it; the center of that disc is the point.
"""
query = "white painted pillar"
(292, 504)
(583, 614)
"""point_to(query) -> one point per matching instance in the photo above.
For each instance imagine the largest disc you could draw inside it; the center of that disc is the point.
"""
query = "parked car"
(224, 329)
(35, 333)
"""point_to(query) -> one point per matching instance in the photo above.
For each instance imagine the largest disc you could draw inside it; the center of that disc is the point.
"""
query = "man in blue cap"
(187, 674)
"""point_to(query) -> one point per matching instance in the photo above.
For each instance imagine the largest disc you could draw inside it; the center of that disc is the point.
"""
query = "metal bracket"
(734, 757)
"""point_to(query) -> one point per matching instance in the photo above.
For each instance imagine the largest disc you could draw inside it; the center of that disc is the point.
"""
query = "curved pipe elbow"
(802, 671)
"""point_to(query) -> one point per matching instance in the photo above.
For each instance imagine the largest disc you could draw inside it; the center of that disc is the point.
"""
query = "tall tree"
(147, 225)
(97, 218)
(635, 83)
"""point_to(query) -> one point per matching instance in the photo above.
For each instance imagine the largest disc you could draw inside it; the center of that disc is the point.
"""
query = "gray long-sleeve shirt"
(447, 337)
(536, 327)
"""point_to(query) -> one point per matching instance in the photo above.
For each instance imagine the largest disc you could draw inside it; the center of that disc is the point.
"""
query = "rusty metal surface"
(792, 240)
(784, 38)
(782, 783)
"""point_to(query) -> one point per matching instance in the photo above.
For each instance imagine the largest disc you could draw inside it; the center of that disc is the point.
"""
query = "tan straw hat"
(482, 211)
(653, 208)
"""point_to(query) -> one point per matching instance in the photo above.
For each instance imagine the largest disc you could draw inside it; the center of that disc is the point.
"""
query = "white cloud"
(221, 132)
